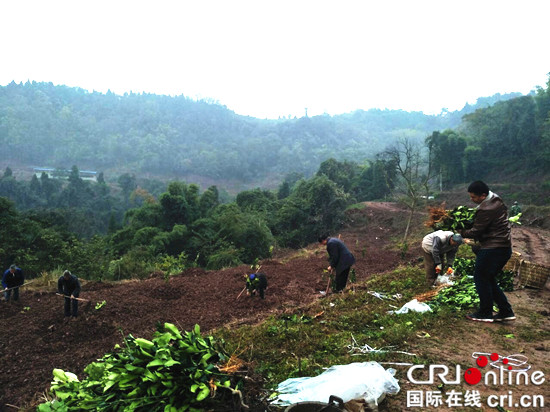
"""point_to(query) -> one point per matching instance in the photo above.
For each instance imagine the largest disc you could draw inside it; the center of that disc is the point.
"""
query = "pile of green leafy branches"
(173, 372)
(462, 294)
(459, 218)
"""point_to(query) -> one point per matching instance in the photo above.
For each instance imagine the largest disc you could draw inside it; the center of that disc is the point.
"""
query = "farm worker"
(256, 282)
(11, 280)
(439, 246)
(492, 229)
(515, 209)
(340, 258)
(68, 285)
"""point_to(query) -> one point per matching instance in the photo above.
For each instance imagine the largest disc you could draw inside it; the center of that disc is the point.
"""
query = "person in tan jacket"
(439, 247)
(492, 230)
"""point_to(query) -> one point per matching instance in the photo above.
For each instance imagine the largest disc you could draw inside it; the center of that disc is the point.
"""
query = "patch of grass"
(534, 317)
(47, 280)
(338, 330)
(531, 334)
(333, 330)
(357, 206)
(504, 337)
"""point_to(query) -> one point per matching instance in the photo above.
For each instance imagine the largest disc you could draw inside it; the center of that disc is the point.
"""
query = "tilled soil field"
(34, 337)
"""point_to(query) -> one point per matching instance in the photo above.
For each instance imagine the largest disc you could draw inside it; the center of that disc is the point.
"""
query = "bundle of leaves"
(505, 280)
(459, 218)
(464, 266)
(462, 294)
(173, 372)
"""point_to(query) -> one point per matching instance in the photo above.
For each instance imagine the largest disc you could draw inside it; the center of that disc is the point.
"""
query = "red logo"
(473, 376)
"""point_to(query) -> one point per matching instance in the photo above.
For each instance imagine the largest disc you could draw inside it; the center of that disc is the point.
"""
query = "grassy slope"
(306, 341)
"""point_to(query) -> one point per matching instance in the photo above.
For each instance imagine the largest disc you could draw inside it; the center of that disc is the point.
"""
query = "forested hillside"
(177, 137)
(130, 226)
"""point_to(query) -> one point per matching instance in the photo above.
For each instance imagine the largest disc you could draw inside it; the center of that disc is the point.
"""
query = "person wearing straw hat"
(68, 285)
(439, 248)
(11, 280)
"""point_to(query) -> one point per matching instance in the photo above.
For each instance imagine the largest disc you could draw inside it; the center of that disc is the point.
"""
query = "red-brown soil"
(34, 338)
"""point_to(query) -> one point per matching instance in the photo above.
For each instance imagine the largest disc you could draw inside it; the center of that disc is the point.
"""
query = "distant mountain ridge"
(174, 137)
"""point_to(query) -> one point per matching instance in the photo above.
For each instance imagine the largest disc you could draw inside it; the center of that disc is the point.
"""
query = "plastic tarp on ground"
(367, 381)
(414, 306)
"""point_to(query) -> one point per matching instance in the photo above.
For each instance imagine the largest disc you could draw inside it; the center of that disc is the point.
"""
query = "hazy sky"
(276, 58)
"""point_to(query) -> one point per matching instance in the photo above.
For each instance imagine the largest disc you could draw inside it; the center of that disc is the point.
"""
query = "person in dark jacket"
(340, 258)
(11, 280)
(68, 285)
(492, 230)
(256, 282)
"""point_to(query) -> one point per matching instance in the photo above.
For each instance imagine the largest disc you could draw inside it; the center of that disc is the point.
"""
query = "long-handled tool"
(328, 285)
(70, 297)
(20, 286)
(241, 293)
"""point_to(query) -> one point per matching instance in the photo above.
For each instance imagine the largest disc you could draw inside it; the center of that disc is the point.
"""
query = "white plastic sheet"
(414, 306)
(443, 280)
(367, 381)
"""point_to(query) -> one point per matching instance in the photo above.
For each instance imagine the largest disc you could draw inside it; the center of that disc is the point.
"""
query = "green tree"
(475, 163)
(172, 242)
(375, 180)
(256, 200)
(446, 156)
(9, 223)
(248, 232)
(51, 188)
(341, 173)
(315, 206)
(208, 201)
(128, 184)
(35, 185)
(176, 209)
(284, 190)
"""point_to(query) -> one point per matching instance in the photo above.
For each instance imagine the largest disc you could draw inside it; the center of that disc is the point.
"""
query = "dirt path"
(532, 243)
(390, 207)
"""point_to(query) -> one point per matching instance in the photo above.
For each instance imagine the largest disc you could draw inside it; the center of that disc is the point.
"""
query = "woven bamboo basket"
(533, 275)
(514, 262)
